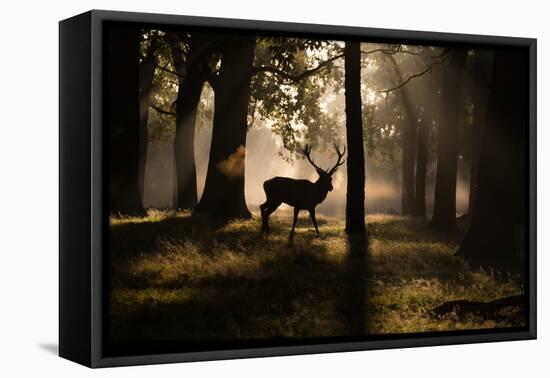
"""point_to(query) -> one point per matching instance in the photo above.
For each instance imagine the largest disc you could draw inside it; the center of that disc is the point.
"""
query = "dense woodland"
(443, 128)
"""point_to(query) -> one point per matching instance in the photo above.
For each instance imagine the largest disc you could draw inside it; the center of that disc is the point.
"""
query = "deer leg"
(296, 212)
(313, 219)
(265, 225)
(269, 208)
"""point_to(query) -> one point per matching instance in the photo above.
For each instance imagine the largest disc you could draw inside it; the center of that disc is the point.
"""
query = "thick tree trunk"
(355, 198)
(482, 75)
(223, 195)
(146, 76)
(190, 83)
(122, 110)
(444, 216)
(422, 152)
(496, 234)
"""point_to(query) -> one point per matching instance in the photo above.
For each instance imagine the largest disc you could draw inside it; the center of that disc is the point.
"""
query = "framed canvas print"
(234, 188)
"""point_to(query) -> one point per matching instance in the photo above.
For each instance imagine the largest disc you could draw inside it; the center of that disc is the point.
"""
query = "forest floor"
(175, 278)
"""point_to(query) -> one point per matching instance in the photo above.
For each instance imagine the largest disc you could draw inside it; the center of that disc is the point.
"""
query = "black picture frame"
(83, 210)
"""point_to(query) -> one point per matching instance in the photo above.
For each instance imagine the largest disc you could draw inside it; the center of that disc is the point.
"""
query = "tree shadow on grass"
(285, 290)
(409, 248)
(296, 291)
(137, 238)
(353, 304)
(413, 229)
(131, 238)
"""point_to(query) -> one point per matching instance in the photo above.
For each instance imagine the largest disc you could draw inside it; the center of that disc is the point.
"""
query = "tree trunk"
(444, 216)
(408, 128)
(122, 111)
(422, 152)
(146, 76)
(482, 75)
(355, 198)
(497, 233)
(223, 195)
(407, 124)
(190, 83)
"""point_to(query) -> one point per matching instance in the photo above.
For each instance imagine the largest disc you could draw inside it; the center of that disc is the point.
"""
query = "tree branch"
(389, 52)
(169, 82)
(162, 111)
(166, 69)
(300, 77)
(443, 54)
(253, 113)
(402, 84)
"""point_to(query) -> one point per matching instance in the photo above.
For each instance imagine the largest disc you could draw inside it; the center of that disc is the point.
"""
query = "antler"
(307, 151)
(340, 161)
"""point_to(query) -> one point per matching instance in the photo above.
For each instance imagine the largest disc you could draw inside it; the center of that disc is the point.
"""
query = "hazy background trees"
(298, 96)
(212, 116)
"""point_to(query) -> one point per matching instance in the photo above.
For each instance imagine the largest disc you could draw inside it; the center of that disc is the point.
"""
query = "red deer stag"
(300, 194)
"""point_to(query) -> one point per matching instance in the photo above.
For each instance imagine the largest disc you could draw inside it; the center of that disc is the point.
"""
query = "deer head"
(325, 177)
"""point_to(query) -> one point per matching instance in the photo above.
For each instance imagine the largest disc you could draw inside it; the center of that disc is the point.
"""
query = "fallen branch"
(463, 307)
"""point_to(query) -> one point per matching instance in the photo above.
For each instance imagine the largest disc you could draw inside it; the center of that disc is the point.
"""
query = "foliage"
(292, 108)
(161, 123)
(310, 109)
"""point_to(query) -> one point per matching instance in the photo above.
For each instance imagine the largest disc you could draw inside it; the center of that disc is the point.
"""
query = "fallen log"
(463, 307)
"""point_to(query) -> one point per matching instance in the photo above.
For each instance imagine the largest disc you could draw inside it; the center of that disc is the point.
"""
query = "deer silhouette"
(300, 194)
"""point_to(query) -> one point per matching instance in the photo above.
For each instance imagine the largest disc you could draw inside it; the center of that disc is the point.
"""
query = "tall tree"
(146, 76)
(123, 113)
(498, 216)
(481, 81)
(424, 127)
(223, 195)
(355, 197)
(408, 125)
(191, 79)
(444, 216)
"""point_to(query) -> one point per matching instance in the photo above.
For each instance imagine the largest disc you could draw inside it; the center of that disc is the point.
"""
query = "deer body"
(300, 194)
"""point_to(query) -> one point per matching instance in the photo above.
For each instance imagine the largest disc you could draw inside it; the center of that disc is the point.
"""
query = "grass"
(174, 277)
